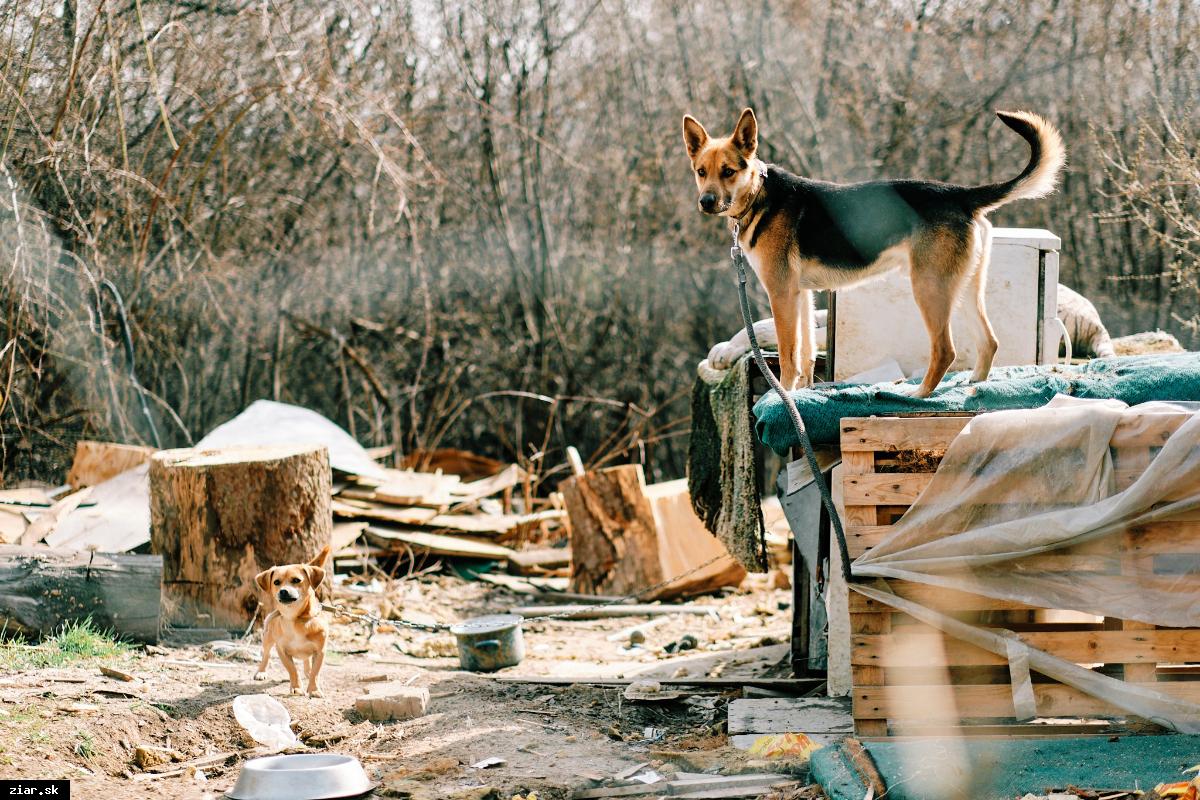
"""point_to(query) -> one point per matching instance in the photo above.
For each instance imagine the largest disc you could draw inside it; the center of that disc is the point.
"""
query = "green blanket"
(1132, 379)
(722, 468)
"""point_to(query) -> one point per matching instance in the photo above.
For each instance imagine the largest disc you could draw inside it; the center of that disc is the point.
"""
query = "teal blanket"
(1001, 769)
(1132, 379)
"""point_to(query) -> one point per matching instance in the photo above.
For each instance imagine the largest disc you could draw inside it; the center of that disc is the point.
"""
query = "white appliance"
(879, 321)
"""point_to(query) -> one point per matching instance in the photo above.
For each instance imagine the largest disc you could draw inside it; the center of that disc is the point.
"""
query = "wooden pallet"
(911, 678)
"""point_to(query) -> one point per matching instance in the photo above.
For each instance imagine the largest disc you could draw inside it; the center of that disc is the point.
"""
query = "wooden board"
(407, 488)
(437, 544)
(825, 715)
(486, 524)
(13, 519)
(908, 676)
(96, 462)
(119, 520)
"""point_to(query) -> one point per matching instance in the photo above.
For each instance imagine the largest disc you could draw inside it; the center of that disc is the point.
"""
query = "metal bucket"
(486, 644)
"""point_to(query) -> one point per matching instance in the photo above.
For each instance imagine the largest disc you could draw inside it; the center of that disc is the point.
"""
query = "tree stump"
(219, 517)
(627, 537)
(614, 540)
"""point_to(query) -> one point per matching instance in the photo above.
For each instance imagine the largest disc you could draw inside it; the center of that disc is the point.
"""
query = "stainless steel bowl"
(305, 776)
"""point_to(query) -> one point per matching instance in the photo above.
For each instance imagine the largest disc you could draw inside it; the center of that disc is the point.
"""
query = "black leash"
(739, 261)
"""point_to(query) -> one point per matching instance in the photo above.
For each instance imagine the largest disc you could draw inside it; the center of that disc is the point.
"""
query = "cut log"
(40, 589)
(627, 537)
(219, 517)
(96, 462)
(614, 541)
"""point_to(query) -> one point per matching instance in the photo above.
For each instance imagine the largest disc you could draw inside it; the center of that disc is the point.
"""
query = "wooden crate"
(910, 678)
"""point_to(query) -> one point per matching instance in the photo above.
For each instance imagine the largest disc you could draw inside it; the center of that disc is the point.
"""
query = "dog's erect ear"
(315, 575)
(319, 559)
(263, 579)
(694, 136)
(745, 135)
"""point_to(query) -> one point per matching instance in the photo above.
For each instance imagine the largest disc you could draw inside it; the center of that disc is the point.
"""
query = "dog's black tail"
(1046, 159)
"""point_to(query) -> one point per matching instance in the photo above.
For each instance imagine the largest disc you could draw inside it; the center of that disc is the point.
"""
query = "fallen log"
(41, 589)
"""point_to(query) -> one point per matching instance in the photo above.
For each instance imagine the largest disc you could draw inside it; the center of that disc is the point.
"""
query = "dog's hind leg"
(976, 310)
(940, 263)
(808, 338)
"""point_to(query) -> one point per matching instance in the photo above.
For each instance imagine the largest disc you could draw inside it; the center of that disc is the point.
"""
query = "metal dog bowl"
(306, 776)
(486, 644)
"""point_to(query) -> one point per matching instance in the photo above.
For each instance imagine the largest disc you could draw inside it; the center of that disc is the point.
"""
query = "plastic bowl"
(305, 776)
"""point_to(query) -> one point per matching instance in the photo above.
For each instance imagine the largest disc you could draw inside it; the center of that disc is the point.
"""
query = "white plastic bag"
(265, 719)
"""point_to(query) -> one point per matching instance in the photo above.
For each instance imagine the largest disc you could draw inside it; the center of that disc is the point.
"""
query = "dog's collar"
(762, 175)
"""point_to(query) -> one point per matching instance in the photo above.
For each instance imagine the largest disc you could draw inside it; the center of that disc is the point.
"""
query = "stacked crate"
(910, 678)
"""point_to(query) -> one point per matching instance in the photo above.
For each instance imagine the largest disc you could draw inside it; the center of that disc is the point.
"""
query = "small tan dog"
(294, 628)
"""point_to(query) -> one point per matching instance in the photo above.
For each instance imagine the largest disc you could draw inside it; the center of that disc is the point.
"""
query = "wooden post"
(218, 517)
(40, 589)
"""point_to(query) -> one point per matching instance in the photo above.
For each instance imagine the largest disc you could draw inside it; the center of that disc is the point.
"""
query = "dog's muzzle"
(288, 595)
(708, 203)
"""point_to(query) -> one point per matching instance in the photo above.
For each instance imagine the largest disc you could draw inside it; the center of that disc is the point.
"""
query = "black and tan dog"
(294, 627)
(801, 234)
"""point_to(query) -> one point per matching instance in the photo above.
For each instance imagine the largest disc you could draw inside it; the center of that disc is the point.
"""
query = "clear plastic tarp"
(1086, 505)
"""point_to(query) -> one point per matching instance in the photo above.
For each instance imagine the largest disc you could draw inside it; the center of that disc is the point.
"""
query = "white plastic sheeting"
(1025, 507)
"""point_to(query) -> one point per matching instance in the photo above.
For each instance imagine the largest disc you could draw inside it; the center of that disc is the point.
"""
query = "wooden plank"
(613, 610)
(488, 524)
(861, 538)
(119, 520)
(467, 493)
(790, 715)
(438, 544)
(928, 702)
(540, 559)
(345, 534)
(923, 648)
(935, 597)
(96, 462)
(892, 488)
(408, 488)
(48, 521)
(889, 434)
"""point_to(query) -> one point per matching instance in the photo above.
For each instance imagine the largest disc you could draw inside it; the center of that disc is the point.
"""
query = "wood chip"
(116, 674)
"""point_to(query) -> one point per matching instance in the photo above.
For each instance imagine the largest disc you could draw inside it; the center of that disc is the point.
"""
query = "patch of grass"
(74, 643)
(21, 725)
(85, 748)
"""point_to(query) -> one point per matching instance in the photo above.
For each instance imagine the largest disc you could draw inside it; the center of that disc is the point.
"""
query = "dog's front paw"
(260, 676)
(296, 690)
(725, 355)
(315, 693)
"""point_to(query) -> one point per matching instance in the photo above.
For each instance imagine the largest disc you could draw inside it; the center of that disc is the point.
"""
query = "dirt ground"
(73, 722)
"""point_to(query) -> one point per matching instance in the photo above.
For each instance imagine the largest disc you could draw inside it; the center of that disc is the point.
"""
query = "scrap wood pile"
(416, 514)
(257, 491)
